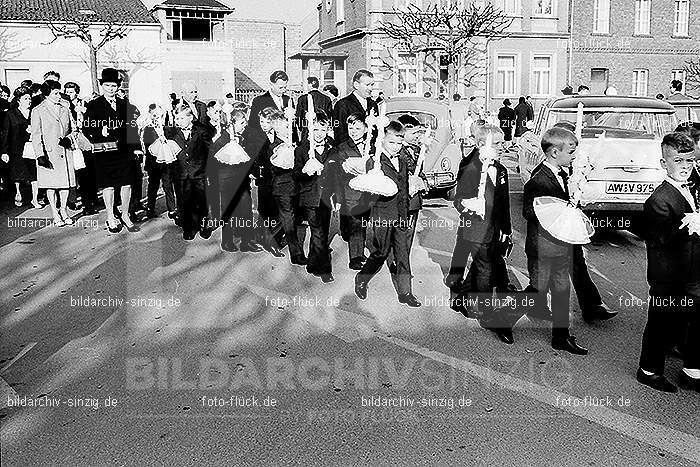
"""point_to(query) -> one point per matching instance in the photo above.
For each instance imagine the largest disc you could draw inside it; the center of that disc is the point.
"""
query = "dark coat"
(673, 256)
(99, 113)
(506, 120)
(391, 208)
(538, 241)
(345, 107)
(523, 113)
(13, 133)
(192, 159)
(312, 189)
(497, 213)
(256, 139)
(351, 202)
(321, 103)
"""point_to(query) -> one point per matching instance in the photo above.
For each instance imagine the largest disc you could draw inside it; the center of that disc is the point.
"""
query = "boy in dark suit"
(314, 197)
(189, 171)
(548, 259)
(353, 208)
(389, 216)
(673, 268)
(479, 233)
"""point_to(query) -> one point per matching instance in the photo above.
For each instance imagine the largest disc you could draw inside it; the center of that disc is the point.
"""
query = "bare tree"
(459, 30)
(692, 73)
(82, 27)
(9, 46)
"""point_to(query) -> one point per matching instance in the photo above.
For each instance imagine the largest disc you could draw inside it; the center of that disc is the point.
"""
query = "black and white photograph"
(350, 232)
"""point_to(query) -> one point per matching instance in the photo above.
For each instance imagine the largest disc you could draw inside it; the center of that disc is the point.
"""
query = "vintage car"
(621, 137)
(687, 110)
(444, 153)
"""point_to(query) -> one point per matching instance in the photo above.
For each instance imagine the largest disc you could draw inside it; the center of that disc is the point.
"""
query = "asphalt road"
(146, 350)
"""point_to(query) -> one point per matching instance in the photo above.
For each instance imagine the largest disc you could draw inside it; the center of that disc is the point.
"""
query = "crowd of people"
(306, 158)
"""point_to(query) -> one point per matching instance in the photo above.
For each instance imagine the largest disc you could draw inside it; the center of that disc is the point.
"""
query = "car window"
(644, 125)
(424, 118)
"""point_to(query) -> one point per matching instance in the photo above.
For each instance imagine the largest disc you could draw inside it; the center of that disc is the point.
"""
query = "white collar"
(551, 167)
(684, 190)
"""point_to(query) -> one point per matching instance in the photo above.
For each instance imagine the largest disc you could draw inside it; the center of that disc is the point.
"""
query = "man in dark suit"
(480, 231)
(549, 259)
(322, 103)
(257, 141)
(389, 216)
(189, 171)
(358, 101)
(190, 98)
(673, 269)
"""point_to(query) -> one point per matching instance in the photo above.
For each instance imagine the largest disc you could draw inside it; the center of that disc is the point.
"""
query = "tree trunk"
(93, 70)
(451, 79)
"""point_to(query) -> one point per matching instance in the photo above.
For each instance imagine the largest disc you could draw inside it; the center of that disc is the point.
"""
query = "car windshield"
(424, 118)
(619, 124)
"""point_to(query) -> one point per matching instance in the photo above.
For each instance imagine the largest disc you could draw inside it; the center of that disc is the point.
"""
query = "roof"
(571, 102)
(243, 82)
(122, 11)
(196, 4)
(318, 55)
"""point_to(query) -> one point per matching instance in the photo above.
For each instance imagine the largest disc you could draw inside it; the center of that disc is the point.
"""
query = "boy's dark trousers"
(236, 208)
(319, 260)
(352, 228)
(286, 206)
(136, 187)
(388, 236)
(552, 273)
(270, 233)
(191, 198)
(158, 173)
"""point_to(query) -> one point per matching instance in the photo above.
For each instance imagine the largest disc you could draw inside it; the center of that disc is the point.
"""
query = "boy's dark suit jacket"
(694, 180)
(497, 216)
(283, 182)
(313, 189)
(253, 135)
(539, 242)
(411, 154)
(672, 254)
(351, 202)
(345, 107)
(321, 103)
(391, 207)
(192, 159)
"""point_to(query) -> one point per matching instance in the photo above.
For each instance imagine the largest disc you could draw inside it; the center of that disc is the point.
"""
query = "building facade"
(530, 60)
(637, 46)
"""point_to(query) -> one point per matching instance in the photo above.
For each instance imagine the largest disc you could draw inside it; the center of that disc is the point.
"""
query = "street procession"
(365, 232)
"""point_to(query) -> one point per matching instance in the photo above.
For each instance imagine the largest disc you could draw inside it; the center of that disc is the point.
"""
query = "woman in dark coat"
(15, 133)
(523, 114)
(506, 119)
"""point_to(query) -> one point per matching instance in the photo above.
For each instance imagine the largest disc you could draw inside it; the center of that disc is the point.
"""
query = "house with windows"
(530, 60)
(637, 46)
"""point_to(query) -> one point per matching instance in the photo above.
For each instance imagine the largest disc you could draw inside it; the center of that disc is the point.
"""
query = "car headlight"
(445, 164)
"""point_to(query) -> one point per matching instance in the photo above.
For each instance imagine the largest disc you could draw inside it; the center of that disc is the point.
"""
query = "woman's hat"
(506, 101)
(110, 75)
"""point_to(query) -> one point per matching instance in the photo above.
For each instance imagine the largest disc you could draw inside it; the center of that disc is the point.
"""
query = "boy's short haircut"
(394, 127)
(211, 104)
(180, 108)
(677, 85)
(332, 89)
(482, 131)
(556, 137)
(238, 115)
(691, 128)
(313, 82)
(681, 142)
(356, 117)
(277, 115)
(322, 117)
(267, 113)
(409, 121)
(475, 125)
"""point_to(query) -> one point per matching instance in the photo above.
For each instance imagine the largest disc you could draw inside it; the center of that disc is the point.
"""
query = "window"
(185, 25)
(541, 75)
(14, 77)
(543, 7)
(599, 80)
(679, 75)
(339, 11)
(642, 17)
(601, 16)
(505, 75)
(680, 24)
(640, 79)
(509, 7)
(407, 74)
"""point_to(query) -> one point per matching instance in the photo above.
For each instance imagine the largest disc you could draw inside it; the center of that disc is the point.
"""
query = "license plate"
(630, 188)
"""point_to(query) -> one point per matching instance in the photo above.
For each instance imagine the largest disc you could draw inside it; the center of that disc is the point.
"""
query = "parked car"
(687, 110)
(622, 137)
(445, 152)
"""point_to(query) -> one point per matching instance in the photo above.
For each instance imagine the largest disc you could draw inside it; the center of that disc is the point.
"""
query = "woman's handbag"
(78, 159)
(81, 142)
(28, 151)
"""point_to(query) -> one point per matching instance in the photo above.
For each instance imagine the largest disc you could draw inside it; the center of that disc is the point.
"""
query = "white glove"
(354, 166)
(5, 158)
(415, 185)
(475, 205)
(692, 221)
(105, 131)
